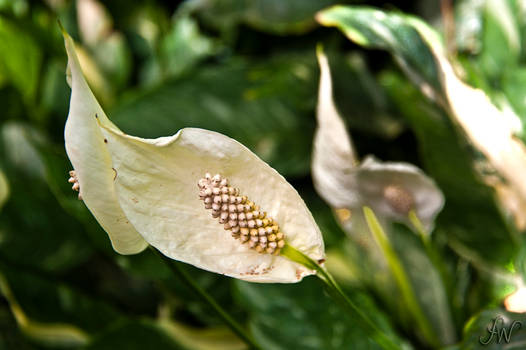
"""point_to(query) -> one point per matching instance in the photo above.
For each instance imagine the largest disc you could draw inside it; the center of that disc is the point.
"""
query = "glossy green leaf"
(396, 33)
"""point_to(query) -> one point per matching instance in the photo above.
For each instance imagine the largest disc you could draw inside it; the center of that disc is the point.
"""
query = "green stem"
(177, 270)
(336, 292)
(400, 275)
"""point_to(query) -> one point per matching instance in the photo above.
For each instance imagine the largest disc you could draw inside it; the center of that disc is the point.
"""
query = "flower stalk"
(181, 274)
(400, 275)
(339, 295)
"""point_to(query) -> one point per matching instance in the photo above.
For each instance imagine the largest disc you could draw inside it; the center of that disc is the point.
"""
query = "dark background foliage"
(245, 68)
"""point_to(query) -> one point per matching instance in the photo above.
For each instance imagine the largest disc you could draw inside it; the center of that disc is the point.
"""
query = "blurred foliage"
(247, 68)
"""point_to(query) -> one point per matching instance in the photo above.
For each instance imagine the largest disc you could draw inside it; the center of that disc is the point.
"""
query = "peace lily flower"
(198, 196)
(391, 189)
(394, 191)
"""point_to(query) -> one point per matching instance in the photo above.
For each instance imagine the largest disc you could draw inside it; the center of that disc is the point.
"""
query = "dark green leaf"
(264, 105)
(133, 335)
(20, 59)
(303, 316)
(273, 16)
(494, 330)
(47, 300)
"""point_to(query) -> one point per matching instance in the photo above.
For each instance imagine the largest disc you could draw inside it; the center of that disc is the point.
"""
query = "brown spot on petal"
(299, 273)
(135, 200)
(252, 271)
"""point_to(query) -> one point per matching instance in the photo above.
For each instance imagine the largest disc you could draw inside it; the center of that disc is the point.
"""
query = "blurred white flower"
(159, 191)
(391, 189)
(94, 21)
(516, 301)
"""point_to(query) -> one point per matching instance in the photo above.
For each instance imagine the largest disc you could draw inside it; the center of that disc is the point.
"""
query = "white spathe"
(92, 161)
(152, 185)
(344, 184)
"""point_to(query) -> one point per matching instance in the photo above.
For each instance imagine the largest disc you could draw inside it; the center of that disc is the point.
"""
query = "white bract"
(92, 162)
(147, 190)
(391, 189)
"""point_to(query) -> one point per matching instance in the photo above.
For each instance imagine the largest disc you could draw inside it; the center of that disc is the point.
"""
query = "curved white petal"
(92, 162)
(156, 184)
(373, 177)
(333, 155)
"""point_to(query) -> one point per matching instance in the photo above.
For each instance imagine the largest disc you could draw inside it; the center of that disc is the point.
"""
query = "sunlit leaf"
(4, 189)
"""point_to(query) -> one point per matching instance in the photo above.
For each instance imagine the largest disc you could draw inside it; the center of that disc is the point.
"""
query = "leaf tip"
(323, 16)
(319, 50)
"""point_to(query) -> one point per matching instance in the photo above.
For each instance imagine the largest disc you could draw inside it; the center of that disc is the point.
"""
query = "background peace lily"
(150, 186)
(395, 191)
(391, 189)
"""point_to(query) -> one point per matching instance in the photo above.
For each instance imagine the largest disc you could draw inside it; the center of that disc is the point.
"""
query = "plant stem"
(400, 275)
(176, 269)
(336, 292)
